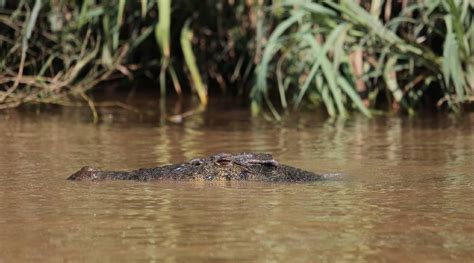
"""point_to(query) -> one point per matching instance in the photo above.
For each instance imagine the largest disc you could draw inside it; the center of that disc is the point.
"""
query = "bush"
(342, 55)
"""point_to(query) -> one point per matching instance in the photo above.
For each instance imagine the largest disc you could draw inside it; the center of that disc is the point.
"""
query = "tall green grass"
(407, 53)
(69, 47)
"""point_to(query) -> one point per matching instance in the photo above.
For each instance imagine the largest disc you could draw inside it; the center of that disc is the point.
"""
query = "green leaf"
(310, 6)
(390, 78)
(452, 65)
(271, 48)
(144, 5)
(162, 30)
(346, 87)
(330, 76)
(121, 8)
(186, 37)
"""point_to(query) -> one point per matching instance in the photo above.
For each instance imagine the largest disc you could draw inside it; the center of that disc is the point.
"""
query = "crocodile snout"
(85, 173)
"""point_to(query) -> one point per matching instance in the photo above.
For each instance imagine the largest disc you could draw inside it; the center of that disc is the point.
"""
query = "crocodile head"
(224, 166)
(86, 173)
(219, 167)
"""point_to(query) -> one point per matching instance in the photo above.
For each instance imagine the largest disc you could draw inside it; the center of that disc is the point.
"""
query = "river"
(407, 194)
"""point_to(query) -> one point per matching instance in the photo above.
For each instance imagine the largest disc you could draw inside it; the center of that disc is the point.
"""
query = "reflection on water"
(407, 196)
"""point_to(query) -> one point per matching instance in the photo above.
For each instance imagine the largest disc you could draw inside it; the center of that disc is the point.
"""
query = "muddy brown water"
(407, 194)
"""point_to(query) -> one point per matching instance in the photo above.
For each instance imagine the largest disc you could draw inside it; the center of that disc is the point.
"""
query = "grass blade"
(186, 37)
(329, 74)
(310, 6)
(144, 4)
(320, 53)
(162, 30)
(328, 102)
(452, 68)
(390, 77)
(271, 48)
(346, 87)
(121, 8)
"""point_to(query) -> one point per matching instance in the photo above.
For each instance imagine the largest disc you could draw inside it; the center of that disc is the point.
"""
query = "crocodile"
(221, 166)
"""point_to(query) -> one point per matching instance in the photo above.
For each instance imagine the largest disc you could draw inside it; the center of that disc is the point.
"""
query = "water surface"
(407, 194)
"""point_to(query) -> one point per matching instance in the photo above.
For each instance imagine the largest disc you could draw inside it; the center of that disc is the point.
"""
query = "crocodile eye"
(269, 163)
(272, 163)
(196, 162)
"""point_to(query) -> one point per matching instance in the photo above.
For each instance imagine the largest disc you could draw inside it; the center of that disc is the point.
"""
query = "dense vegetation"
(342, 55)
